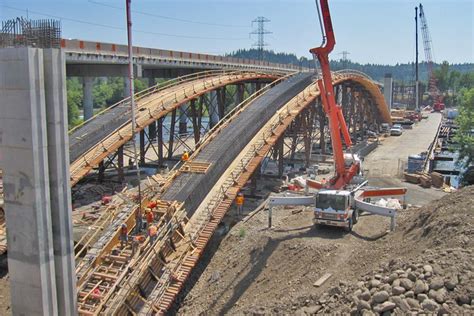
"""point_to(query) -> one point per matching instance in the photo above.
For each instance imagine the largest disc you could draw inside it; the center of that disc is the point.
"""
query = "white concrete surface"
(60, 189)
(24, 160)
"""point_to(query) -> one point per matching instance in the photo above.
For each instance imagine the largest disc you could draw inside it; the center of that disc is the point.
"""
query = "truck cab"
(335, 208)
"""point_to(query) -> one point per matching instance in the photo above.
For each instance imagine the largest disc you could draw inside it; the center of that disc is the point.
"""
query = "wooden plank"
(322, 279)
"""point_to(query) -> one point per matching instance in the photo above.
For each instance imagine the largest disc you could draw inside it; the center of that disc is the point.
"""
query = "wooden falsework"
(155, 106)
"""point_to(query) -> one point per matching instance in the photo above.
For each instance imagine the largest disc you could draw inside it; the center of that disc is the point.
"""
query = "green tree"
(465, 121)
(74, 101)
(139, 85)
(102, 93)
(466, 80)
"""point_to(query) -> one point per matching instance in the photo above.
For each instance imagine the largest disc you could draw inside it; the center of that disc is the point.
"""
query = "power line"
(167, 17)
(260, 32)
(122, 28)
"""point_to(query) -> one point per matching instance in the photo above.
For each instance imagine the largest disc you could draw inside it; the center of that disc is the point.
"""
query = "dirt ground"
(259, 270)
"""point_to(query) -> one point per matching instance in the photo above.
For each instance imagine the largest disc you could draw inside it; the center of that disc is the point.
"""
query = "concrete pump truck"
(339, 201)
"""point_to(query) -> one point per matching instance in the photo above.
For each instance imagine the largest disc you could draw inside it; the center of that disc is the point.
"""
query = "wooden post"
(120, 163)
(171, 140)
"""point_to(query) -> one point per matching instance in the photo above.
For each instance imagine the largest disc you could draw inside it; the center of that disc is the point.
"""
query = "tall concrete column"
(24, 160)
(126, 87)
(213, 109)
(388, 90)
(59, 186)
(150, 81)
(88, 100)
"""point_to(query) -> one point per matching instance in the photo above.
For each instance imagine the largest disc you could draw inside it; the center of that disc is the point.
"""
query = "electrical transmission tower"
(260, 32)
(344, 58)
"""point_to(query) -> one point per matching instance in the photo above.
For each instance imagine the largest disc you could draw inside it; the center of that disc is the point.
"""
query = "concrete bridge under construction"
(238, 116)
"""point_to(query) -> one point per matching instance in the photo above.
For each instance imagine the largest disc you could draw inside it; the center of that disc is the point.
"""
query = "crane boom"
(433, 89)
(337, 124)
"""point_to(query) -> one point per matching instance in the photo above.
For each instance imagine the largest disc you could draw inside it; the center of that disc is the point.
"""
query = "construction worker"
(152, 231)
(96, 293)
(123, 235)
(135, 244)
(323, 182)
(185, 156)
(138, 221)
(149, 218)
(152, 204)
(239, 201)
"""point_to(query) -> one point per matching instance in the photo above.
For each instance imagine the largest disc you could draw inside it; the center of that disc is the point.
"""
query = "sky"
(372, 31)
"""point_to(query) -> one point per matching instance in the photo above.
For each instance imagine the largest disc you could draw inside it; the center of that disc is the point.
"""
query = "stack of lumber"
(437, 179)
(425, 180)
(412, 178)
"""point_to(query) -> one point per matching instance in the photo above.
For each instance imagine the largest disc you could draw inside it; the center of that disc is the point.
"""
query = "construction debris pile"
(437, 281)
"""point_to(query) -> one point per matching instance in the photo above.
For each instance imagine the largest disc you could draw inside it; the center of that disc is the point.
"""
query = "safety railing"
(156, 88)
(353, 72)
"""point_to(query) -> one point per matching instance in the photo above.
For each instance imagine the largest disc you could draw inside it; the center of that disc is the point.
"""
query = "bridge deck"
(191, 188)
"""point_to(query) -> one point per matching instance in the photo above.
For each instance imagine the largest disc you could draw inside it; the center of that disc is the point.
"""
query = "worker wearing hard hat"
(123, 235)
(239, 201)
(152, 232)
(150, 217)
(185, 156)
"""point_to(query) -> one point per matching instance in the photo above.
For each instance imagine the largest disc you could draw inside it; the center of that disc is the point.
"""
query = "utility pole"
(260, 32)
(417, 91)
(132, 99)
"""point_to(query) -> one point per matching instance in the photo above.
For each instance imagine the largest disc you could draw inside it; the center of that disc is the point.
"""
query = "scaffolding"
(21, 32)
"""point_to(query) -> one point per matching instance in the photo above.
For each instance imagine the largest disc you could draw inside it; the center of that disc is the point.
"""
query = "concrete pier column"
(213, 109)
(388, 90)
(88, 100)
(24, 160)
(59, 186)
(150, 81)
(126, 87)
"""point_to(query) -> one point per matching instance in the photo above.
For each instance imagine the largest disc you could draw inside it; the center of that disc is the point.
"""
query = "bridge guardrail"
(81, 46)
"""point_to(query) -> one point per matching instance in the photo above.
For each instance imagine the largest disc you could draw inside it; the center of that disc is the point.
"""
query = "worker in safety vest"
(138, 221)
(152, 204)
(149, 218)
(239, 201)
(136, 244)
(185, 156)
(152, 231)
(96, 293)
(123, 235)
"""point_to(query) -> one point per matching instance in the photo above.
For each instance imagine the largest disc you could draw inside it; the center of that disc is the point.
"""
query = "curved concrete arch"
(154, 106)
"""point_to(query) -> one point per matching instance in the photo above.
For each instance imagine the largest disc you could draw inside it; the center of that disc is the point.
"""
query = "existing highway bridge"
(194, 197)
(89, 60)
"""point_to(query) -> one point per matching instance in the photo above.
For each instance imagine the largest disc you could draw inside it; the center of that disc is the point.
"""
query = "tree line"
(400, 72)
